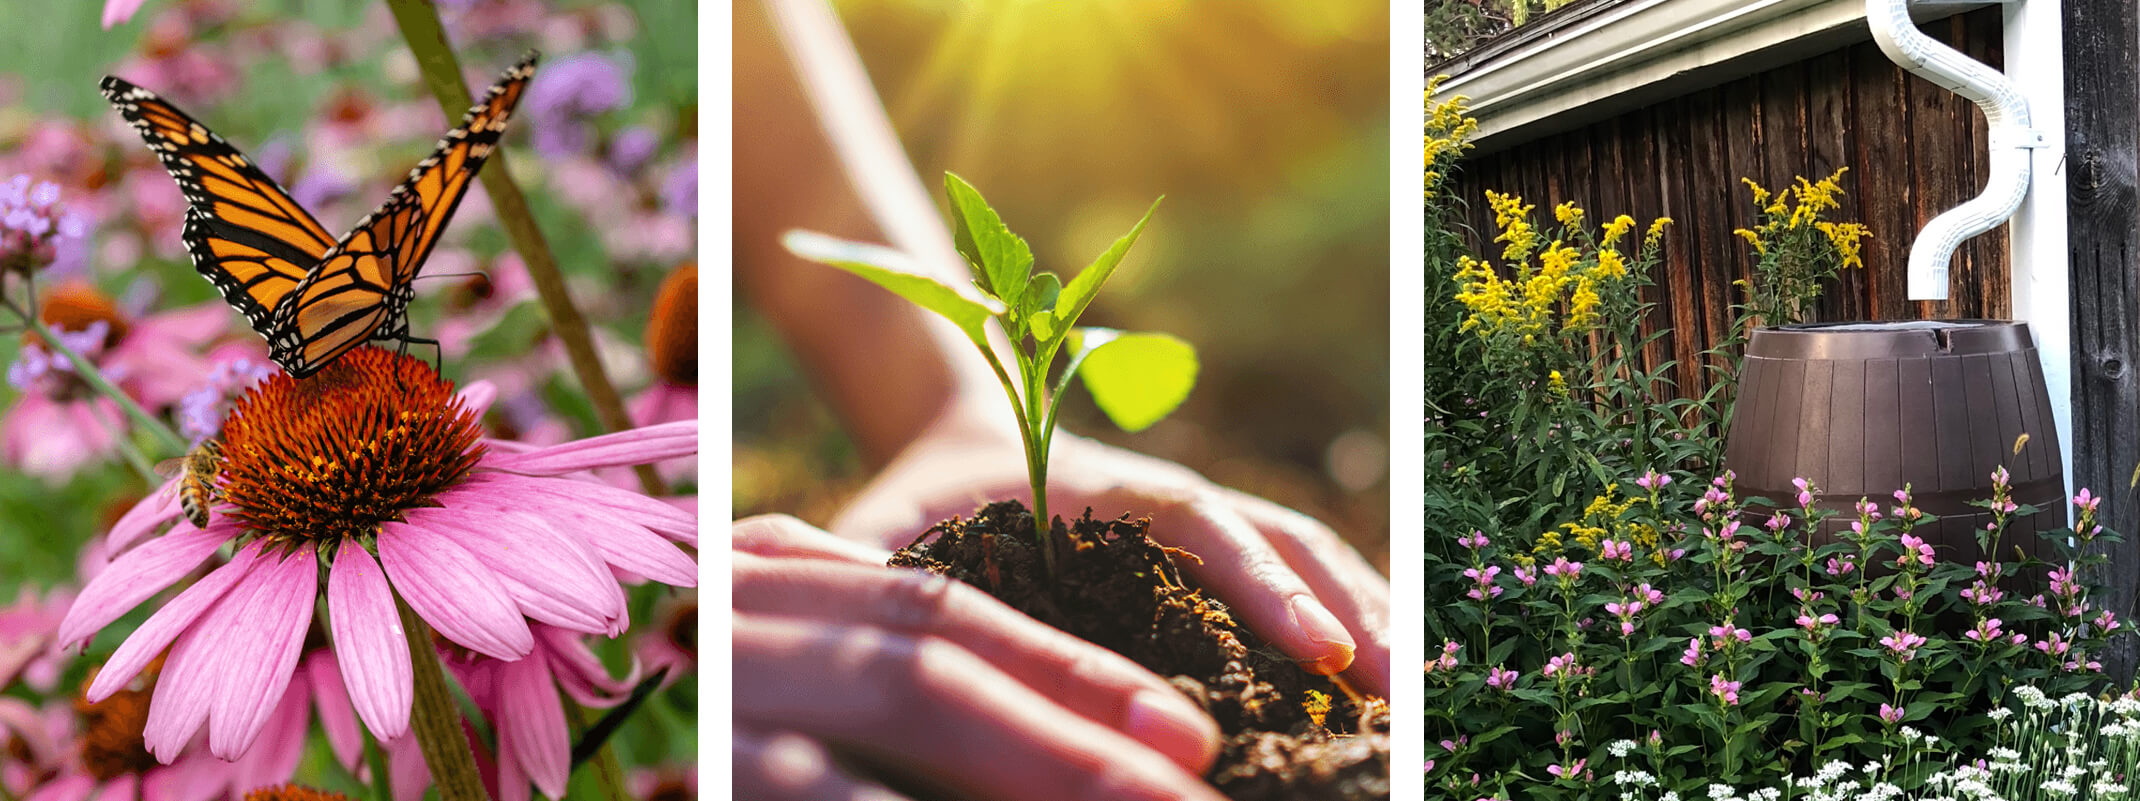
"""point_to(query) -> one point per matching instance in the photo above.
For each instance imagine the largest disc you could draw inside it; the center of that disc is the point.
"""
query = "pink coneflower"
(673, 645)
(375, 455)
(27, 648)
(60, 424)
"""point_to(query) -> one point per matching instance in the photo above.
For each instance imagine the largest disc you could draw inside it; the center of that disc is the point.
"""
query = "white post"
(2035, 61)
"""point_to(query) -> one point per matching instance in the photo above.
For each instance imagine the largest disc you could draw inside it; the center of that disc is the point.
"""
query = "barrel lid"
(1901, 339)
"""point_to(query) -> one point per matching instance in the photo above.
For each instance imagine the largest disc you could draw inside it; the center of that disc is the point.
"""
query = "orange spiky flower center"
(74, 306)
(672, 328)
(331, 457)
(111, 744)
(291, 792)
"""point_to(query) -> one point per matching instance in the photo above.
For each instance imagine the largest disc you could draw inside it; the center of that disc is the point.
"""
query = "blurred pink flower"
(678, 782)
(486, 540)
(117, 12)
(28, 650)
(59, 424)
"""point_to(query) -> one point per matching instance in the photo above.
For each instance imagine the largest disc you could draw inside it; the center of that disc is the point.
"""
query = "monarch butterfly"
(311, 295)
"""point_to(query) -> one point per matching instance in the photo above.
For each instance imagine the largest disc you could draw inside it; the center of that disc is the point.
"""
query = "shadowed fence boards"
(1913, 149)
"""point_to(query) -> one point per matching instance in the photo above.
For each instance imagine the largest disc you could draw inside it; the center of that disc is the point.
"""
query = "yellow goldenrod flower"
(1615, 229)
(1568, 214)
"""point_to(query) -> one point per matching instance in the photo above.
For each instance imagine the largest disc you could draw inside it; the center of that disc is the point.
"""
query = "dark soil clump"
(1117, 588)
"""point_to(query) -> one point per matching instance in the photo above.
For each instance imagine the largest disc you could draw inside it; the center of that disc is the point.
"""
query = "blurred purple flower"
(679, 192)
(321, 184)
(200, 412)
(570, 91)
(632, 148)
(59, 424)
(32, 224)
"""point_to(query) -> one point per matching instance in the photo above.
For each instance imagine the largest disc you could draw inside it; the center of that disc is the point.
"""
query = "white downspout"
(2022, 148)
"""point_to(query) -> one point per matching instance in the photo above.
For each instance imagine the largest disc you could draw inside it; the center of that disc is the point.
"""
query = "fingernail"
(1174, 727)
(1319, 626)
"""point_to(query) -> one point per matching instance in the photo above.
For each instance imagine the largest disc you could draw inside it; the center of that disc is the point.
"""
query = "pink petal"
(193, 673)
(405, 767)
(330, 696)
(531, 726)
(123, 788)
(149, 641)
(580, 673)
(543, 494)
(20, 722)
(644, 445)
(555, 579)
(610, 535)
(450, 589)
(194, 777)
(369, 645)
(159, 508)
(72, 787)
(273, 758)
(262, 651)
(477, 396)
(138, 574)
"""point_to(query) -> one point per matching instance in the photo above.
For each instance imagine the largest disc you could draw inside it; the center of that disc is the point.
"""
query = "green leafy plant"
(1135, 378)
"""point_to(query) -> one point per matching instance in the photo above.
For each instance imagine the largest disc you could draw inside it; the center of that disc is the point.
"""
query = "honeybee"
(196, 472)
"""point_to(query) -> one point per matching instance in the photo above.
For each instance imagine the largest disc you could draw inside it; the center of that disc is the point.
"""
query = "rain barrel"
(1861, 409)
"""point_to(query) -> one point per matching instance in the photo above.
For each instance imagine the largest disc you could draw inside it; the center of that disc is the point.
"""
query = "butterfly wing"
(361, 288)
(246, 235)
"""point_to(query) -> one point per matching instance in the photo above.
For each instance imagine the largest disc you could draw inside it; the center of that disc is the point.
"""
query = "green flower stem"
(95, 379)
(436, 721)
(418, 20)
(605, 758)
(382, 778)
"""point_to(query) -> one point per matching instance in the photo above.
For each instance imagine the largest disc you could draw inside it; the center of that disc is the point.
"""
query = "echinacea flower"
(373, 474)
(59, 423)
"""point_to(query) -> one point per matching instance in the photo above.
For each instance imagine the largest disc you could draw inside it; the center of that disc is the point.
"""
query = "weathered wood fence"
(1913, 149)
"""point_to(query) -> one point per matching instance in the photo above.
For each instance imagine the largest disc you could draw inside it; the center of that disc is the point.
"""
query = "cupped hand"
(838, 657)
(1288, 576)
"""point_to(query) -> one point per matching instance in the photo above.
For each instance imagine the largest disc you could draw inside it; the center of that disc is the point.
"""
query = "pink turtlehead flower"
(1915, 550)
(1654, 480)
(498, 540)
(1815, 624)
(1562, 665)
(1986, 631)
(1842, 567)
(1778, 522)
(1447, 660)
(1693, 655)
(1501, 679)
(1904, 644)
(1983, 594)
(1563, 569)
(1726, 692)
(1805, 491)
(1580, 769)
(1485, 581)
(1890, 714)
(2086, 501)
(1528, 576)
(1474, 541)
(1618, 550)
(1725, 633)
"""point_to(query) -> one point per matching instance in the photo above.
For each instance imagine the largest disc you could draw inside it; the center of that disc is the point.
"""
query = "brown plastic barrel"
(1861, 409)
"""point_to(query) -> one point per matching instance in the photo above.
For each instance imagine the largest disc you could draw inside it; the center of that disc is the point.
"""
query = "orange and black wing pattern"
(361, 289)
(246, 234)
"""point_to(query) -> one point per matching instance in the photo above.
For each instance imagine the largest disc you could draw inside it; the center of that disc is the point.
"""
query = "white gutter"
(2035, 68)
(2006, 114)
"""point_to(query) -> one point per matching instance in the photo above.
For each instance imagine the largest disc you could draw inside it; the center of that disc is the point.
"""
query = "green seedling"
(1135, 378)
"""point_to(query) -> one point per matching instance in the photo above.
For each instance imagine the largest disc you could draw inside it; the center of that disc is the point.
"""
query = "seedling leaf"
(1001, 260)
(1078, 293)
(892, 270)
(1136, 378)
(1043, 323)
(1040, 296)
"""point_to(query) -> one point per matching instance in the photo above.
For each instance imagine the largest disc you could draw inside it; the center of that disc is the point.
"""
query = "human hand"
(1287, 576)
(936, 681)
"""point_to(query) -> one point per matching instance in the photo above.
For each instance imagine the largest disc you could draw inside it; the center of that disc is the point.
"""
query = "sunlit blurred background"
(1266, 126)
(328, 100)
